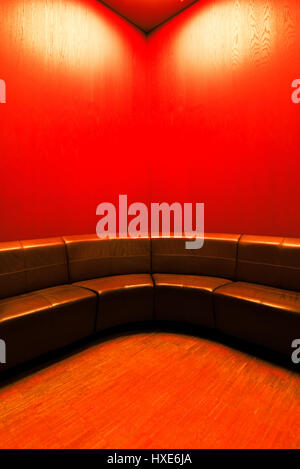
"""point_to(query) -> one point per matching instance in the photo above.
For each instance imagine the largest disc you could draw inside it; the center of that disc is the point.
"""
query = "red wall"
(223, 117)
(200, 111)
(72, 131)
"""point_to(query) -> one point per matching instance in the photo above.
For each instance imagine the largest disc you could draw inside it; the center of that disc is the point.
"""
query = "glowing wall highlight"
(222, 114)
(71, 132)
(199, 111)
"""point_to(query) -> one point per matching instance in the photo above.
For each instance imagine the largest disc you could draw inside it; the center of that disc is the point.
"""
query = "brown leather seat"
(264, 315)
(45, 263)
(263, 311)
(186, 298)
(259, 260)
(217, 257)
(122, 299)
(12, 269)
(120, 269)
(245, 286)
(73, 314)
(185, 293)
(90, 257)
(23, 319)
(290, 264)
(31, 265)
(35, 323)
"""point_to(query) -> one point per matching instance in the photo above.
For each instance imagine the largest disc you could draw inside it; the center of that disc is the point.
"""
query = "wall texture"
(222, 113)
(72, 131)
(199, 111)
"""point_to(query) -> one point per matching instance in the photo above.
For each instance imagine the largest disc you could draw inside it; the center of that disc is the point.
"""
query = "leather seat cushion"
(73, 313)
(186, 298)
(122, 299)
(36, 323)
(264, 315)
(24, 326)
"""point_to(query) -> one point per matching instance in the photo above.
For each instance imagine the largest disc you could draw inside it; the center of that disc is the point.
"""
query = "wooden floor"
(153, 390)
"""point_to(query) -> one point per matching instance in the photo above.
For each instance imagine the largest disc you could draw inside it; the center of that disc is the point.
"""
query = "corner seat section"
(39, 310)
(185, 279)
(25, 327)
(45, 320)
(122, 299)
(119, 271)
(186, 298)
(260, 314)
(73, 315)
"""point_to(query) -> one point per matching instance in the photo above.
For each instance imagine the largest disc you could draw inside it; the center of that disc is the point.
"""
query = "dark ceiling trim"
(122, 16)
(171, 17)
(150, 31)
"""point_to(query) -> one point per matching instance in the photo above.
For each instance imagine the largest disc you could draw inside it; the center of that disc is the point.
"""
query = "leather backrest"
(259, 260)
(290, 264)
(45, 263)
(12, 269)
(216, 258)
(37, 264)
(90, 257)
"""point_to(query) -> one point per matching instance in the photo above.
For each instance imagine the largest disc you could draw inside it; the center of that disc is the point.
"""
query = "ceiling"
(147, 14)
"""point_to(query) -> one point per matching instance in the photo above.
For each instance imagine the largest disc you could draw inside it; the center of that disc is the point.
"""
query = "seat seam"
(237, 257)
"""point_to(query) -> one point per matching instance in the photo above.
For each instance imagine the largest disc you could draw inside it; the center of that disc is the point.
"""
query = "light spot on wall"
(64, 33)
(226, 35)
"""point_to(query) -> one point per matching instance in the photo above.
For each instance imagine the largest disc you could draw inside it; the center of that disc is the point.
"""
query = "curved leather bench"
(56, 291)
